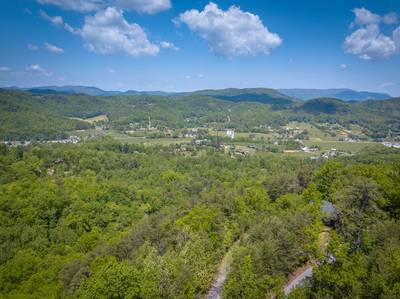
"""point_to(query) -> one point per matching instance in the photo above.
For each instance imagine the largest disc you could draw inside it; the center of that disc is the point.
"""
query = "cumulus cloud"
(168, 45)
(108, 32)
(56, 20)
(53, 49)
(367, 41)
(4, 69)
(343, 66)
(142, 6)
(36, 68)
(363, 16)
(232, 32)
(391, 18)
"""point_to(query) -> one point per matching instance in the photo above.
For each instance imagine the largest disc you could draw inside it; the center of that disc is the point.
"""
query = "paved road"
(308, 272)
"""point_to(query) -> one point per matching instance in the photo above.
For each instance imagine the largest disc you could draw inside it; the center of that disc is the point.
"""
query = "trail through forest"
(215, 290)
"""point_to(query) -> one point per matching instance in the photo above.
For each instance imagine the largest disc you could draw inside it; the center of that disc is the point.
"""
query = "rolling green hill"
(261, 95)
(26, 115)
(326, 105)
(343, 94)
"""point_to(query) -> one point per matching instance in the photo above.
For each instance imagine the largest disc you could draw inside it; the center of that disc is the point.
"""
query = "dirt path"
(215, 290)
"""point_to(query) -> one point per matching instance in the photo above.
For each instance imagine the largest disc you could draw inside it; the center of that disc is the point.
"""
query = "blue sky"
(181, 45)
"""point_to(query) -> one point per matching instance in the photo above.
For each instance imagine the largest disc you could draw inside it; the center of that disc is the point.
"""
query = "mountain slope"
(343, 94)
(23, 118)
(260, 95)
(325, 105)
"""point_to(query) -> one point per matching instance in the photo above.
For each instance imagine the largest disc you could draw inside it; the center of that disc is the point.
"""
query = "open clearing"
(93, 120)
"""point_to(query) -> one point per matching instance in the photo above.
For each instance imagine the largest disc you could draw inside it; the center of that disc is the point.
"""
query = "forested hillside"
(343, 94)
(28, 116)
(22, 117)
(108, 220)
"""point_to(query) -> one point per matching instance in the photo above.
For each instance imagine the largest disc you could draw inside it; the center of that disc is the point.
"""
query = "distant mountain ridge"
(342, 94)
(87, 90)
(262, 95)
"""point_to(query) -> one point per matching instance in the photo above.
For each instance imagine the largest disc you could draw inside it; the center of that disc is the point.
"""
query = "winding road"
(297, 278)
(307, 270)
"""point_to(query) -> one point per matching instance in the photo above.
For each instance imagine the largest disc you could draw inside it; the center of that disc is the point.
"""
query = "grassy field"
(246, 140)
(352, 147)
(93, 120)
(125, 138)
(241, 134)
(146, 141)
(325, 141)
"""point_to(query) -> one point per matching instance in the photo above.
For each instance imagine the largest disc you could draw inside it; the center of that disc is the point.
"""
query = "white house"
(230, 133)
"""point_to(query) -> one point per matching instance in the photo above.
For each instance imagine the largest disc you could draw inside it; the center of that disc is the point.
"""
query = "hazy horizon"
(193, 90)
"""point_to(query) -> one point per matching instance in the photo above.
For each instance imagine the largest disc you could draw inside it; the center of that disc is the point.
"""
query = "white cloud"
(343, 66)
(365, 17)
(367, 41)
(396, 38)
(108, 32)
(78, 5)
(71, 29)
(56, 20)
(110, 70)
(36, 68)
(33, 47)
(4, 69)
(142, 6)
(232, 32)
(391, 18)
(169, 45)
(53, 49)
